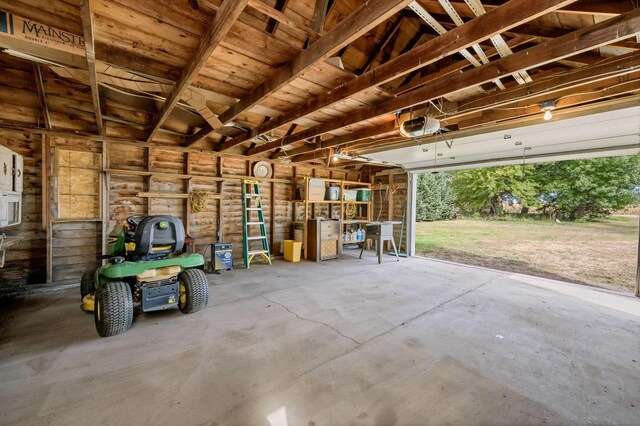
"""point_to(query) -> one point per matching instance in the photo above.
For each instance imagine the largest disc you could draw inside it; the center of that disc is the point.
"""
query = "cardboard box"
(316, 189)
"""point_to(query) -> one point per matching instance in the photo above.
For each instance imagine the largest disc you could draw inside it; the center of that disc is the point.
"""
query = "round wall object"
(262, 170)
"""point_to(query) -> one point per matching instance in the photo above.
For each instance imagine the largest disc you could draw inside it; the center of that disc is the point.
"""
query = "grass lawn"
(599, 253)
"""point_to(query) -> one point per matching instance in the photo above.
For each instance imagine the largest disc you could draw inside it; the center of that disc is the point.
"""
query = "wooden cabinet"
(324, 239)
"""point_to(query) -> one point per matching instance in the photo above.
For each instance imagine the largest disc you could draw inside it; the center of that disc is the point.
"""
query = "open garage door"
(604, 134)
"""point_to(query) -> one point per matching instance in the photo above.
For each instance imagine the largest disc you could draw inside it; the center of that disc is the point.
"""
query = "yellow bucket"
(292, 250)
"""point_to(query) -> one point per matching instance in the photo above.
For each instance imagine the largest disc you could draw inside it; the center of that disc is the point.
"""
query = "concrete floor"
(344, 342)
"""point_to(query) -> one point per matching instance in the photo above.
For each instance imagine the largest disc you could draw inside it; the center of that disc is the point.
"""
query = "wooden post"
(187, 207)
(390, 205)
(638, 263)
(272, 212)
(106, 184)
(220, 184)
(149, 180)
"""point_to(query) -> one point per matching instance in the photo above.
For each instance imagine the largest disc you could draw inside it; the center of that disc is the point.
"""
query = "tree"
(485, 188)
(434, 200)
(580, 188)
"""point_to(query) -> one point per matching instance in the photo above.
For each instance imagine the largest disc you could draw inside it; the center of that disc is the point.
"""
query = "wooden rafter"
(319, 15)
(579, 41)
(456, 66)
(576, 111)
(42, 98)
(599, 7)
(612, 67)
(272, 24)
(89, 43)
(280, 17)
(360, 22)
(224, 19)
(385, 41)
(309, 153)
(509, 15)
(573, 83)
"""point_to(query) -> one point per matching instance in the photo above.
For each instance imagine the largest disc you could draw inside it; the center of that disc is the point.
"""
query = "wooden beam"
(361, 21)
(579, 41)
(42, 98)
(87, 27)
(306, 153)
(567, 99)
(510, 15)
(457, 66)
(282, 18)
(612, 67)
(226, 16)
(385, 41)
(578, 111)
(272, 25)
(319, 15)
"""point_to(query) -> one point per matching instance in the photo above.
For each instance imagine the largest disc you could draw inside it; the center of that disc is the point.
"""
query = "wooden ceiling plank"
(612, 67)
(603, 33)
(361, 21)
(273, 13)
(385, 41)
(87, 27)
(568, 100)
(457, 66)
(228, 13)
(510, 15)
(272, 25)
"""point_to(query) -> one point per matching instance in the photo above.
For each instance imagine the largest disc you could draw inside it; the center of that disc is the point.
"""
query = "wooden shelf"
(363, 217)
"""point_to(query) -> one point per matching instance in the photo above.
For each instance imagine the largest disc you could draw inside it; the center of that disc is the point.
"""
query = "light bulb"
(335, 157)
(548, 115)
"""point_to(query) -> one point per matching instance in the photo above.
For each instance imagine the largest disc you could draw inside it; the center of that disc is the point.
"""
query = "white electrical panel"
(11, 177)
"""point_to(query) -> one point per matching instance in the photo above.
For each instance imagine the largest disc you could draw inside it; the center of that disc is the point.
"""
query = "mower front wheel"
(113, 311)
(194, 291)
(87, 285)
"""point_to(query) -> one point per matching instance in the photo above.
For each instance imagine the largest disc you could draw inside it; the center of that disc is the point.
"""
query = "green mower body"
(146, 271)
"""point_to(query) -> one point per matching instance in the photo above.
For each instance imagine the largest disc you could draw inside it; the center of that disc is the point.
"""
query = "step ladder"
(251, 204)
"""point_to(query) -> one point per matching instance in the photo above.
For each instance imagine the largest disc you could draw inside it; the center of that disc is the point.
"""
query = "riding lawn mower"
(146, 271)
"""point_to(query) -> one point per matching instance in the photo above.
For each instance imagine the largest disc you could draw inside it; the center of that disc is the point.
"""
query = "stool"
(380, 232)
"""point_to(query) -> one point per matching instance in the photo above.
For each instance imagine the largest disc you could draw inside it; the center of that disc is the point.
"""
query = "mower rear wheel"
(87, 285)
(194, 291)
(113, 311)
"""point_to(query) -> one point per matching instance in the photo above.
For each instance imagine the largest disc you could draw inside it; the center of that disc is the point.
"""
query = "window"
(78, 184)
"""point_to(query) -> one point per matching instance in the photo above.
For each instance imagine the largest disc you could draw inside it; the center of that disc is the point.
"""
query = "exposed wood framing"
(582, 40)
(510, 15)
(272, 25)
(319, 15)
(225, 18)
(280, 17)
(358, 23)
(87, 27)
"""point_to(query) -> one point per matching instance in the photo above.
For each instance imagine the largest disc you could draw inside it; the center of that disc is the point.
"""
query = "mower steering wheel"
(135, 220)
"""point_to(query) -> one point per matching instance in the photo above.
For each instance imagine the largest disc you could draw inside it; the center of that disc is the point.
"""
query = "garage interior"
(111, 109)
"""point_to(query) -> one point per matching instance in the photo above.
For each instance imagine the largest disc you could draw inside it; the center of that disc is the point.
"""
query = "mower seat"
(157, 237)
